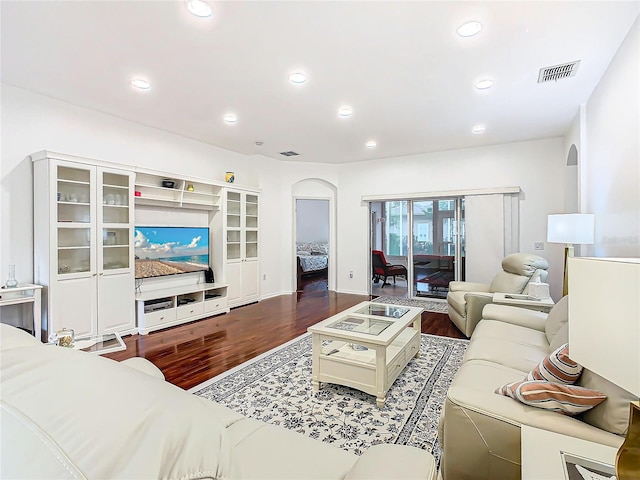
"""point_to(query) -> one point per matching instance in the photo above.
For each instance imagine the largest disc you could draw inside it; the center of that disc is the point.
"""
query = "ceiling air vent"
(557, 72)
(290, 153)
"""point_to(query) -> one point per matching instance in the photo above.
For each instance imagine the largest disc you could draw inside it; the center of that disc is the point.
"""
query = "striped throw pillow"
(557, 367)
(565, 399)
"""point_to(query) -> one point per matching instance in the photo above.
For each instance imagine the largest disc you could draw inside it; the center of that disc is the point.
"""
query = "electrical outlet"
(351, 274)
(538, 245)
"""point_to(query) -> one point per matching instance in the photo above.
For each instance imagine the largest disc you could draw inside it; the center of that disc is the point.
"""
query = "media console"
(165, 308)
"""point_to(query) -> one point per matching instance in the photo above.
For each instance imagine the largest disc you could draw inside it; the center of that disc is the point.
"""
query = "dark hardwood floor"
(195, 352)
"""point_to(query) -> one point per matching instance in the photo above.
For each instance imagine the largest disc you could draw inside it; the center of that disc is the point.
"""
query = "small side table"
(542, 457)
(22, 294)
(524, 301)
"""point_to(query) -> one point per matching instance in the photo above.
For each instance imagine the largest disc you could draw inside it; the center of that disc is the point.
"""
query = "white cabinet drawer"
(186, 311)
(215, 304)
(158, 318)
(412, 348)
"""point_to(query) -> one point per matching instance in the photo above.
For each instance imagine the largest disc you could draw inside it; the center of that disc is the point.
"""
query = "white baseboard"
(352, 292)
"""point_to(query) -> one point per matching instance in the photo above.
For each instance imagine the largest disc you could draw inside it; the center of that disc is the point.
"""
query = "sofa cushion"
(524, 264)
(407, 461)
(12, 337)
(557, 367)
(457, 301)
(270, 452)
(506, 344)
(560, 338)
(557, 318)
(153, 429)
(508, 283)
(557, 397)
(611, 415)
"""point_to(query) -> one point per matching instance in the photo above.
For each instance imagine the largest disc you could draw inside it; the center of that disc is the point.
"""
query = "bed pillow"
(557, 367)
(557, 397)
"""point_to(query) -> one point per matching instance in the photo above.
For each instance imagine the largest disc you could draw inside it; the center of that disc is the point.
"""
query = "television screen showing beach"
(163, 251)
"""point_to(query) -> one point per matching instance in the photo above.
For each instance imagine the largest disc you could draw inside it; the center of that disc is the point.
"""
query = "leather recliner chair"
(467, 299)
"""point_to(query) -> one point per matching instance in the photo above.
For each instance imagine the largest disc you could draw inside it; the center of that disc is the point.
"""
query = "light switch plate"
(538, 245)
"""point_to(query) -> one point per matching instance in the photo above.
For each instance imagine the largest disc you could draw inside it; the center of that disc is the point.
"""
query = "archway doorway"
(317, 199)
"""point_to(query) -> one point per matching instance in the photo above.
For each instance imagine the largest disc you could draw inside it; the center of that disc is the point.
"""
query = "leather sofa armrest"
(476, 301)
(516, 316)
(468, 287)
(393, 462)
(143, 365)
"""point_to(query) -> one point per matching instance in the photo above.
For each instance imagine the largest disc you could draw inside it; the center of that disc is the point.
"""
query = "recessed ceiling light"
(484, 84)
(199, 8)
(230, 118)
(371, 144)
(478, 129)
(469, 29)
(345, 111)
(297, 78)
(141, 83)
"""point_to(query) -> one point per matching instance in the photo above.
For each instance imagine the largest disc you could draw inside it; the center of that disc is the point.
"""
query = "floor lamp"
(603, 337)
(570, 228)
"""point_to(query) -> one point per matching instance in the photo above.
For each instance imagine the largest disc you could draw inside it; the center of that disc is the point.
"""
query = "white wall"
(536, 167)
(611, 160)
(32, 122)
(312, 220)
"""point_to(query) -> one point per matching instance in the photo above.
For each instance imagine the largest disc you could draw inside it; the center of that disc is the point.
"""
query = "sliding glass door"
(438, 245)
(435, 254)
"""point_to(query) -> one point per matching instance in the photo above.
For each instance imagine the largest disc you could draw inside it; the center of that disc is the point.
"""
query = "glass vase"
(11, 281)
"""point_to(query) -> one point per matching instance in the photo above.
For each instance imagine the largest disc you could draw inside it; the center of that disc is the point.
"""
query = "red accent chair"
(381, 268)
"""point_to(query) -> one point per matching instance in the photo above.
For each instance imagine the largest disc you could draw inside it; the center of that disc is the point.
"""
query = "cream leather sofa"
(69, 414)
(467, 299)
(480, 430)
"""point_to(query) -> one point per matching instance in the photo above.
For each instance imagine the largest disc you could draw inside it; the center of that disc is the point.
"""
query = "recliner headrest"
(523, 264)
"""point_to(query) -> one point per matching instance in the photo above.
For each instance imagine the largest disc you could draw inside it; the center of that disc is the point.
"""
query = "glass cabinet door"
(233, 225)
(74, 188)
(114, 194)
(251, 223)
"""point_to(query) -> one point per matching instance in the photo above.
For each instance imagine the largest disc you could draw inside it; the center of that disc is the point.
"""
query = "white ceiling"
(400, 66)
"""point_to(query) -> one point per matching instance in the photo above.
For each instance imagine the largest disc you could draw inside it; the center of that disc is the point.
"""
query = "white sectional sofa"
(480, 430)
(70, 414)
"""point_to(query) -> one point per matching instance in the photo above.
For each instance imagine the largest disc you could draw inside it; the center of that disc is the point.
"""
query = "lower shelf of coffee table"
(357, 368)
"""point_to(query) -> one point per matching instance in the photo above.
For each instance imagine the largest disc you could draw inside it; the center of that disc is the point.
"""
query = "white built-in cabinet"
(83, 245)
(241, 247)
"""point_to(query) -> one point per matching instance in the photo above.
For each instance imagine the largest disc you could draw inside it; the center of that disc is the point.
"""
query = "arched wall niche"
(571, 204)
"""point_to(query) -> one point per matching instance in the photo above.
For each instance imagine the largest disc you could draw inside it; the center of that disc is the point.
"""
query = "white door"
(72, 305)
(234, 279)
(250, 280)
(116, 311)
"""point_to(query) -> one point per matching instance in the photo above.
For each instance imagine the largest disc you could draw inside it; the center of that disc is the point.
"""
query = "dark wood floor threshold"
(195, 352)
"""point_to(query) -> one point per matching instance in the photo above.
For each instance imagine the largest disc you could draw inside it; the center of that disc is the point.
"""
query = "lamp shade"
(604, 318)
(570, 228)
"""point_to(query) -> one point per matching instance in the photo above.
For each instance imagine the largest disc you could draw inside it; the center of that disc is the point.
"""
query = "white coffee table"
(100, 344)
(366, 347)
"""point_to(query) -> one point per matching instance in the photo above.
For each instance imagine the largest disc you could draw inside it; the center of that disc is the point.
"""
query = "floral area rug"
(432, 305)
(276, 388)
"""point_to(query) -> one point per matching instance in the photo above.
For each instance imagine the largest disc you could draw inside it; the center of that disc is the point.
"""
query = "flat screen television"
(161, 251)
